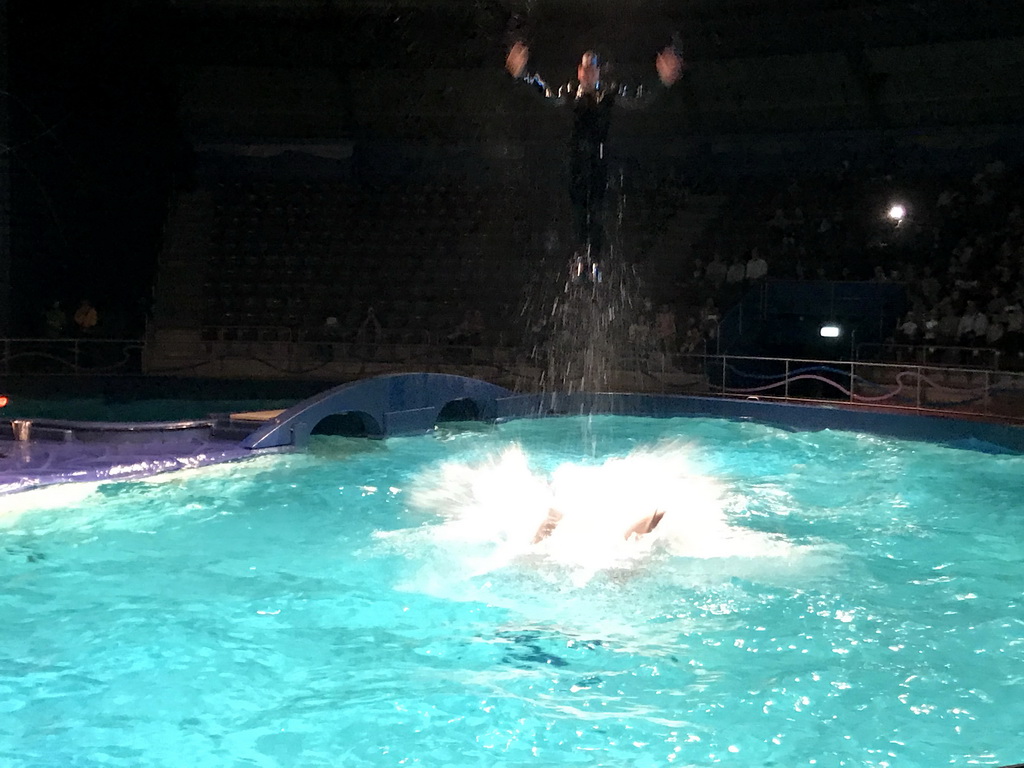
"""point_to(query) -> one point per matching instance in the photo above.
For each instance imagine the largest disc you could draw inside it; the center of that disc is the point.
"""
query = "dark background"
(97, 151)
(98, 142)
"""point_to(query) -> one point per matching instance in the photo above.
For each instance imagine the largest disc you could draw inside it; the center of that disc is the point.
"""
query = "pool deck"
(73, 453)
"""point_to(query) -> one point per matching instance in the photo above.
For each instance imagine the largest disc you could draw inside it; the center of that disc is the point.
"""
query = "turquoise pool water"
(823, 599)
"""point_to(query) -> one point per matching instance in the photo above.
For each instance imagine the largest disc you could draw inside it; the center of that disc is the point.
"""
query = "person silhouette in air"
(591, 100)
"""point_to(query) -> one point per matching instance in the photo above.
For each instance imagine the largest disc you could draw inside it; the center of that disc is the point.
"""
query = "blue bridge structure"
(385, 406)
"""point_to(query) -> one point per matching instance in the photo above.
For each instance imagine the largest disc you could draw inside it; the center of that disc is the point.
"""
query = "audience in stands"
(958, 250)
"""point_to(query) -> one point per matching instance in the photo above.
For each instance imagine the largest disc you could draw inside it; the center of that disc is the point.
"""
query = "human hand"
(516, 60)
(669, 65)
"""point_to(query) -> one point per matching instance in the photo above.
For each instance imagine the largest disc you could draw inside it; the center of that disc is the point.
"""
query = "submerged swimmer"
(641, 527)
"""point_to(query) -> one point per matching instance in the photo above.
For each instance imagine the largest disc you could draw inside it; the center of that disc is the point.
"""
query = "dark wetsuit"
(588, 168)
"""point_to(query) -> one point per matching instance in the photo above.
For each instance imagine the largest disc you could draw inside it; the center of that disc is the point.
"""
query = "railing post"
(851, 382)
(75, 358)
(917, 397)
(785, 391)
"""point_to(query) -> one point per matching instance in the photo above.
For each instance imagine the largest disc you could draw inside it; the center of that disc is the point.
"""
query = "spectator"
(331, 330)
(665, 326)
(908, 331)
(370, 325)
(778, 226)
(327, 334)
(86, 318)
(997, 302)
(693, 341)
(948, 327)
(716, 272)
(929, 286)
(757, 267)
(1014, 334)
(734, 277)
(639, 331)
(995, 334)
(930, 328)
(972, 327)
(709, 319)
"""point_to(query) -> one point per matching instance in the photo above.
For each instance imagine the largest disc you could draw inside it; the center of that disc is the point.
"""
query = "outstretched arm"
(646, 524)
(516, 63)
(669, 65)
(516, 60)
(548, 526)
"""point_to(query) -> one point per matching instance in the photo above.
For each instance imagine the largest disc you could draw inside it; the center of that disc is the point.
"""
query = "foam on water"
(475, 526)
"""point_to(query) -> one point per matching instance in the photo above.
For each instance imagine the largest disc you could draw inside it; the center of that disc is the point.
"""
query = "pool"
(810, 598)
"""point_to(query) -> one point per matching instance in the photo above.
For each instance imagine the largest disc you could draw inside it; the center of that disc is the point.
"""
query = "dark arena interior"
(260, 197)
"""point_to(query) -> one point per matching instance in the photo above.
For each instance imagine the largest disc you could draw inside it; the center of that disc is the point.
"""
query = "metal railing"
(965, 390)
(70, 357)
(933, 388)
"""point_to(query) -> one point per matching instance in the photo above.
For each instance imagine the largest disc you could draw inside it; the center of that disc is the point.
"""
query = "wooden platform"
(257, 416)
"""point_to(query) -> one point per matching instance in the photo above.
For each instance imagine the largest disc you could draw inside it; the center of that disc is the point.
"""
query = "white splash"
(490, 514)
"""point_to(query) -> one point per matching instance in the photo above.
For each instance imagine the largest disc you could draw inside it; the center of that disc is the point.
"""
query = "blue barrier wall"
(956, 432)
(403, 404)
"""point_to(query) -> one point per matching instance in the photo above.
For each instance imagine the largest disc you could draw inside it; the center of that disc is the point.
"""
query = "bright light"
(3, 400)
(829, 331)
(897, 212)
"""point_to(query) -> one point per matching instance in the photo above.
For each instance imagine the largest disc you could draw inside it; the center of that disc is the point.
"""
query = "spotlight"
(897, 212)
(829, 331)
(3, 400)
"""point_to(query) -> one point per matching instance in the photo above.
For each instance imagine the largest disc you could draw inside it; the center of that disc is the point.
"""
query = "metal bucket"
(22, 429)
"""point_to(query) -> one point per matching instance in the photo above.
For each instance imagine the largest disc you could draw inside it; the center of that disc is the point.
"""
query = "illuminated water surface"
(819, 598)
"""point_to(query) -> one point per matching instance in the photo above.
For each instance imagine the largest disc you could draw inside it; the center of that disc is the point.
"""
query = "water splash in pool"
(578, 518)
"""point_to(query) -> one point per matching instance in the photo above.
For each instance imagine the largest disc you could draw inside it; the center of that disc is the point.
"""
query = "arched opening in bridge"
(348, 424)
(462, 409)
